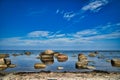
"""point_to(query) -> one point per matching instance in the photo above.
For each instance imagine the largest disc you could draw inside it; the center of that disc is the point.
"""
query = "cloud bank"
(58, 39)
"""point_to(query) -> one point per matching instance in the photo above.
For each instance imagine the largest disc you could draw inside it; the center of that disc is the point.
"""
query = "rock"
(2, 61)
(115, 62)
(90, 67)
(62, 60)
(8, 61)
(92, 55)
(49, 52)
(108, 60)
(60, 68)
(47, 61)
(4, 55)
(62, 57)
(96, 52)
(3, 66)
(81, 65)
(27, 53)
(45, 56)
(38, 57)
(15, 54)
(1, 69)
(101, 57)
(39, 66)
(82, 57)
(56, 54)
(12, 66)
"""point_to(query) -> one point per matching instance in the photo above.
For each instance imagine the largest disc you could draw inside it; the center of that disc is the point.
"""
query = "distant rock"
(15, 54)
(27, 53)
(115, 62)
(92, 55)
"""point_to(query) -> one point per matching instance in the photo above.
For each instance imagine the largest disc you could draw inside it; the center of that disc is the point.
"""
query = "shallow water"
(26, 63)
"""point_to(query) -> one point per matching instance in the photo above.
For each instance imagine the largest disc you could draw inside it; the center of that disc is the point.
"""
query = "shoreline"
(47, 75)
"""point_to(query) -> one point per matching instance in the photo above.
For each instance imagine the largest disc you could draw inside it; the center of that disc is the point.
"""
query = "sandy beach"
(95, 75)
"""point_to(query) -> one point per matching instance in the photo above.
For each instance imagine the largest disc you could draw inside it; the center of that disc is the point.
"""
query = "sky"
(60, 24)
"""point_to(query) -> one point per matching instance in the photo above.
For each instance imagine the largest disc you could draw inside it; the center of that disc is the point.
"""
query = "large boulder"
(49, 52)
(45, 56)
(82, 57)
(3, 66)
(39, 66)
(115, 62)
(4, 55)
(62, 57)
(92, 55)
(2, 61)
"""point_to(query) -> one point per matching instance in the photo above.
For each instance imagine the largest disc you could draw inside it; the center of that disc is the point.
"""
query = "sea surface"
(25, 63)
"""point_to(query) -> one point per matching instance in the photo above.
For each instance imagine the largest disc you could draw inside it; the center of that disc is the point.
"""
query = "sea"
(25, 63)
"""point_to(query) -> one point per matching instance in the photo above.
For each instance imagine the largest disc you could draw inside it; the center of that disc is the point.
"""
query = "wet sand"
(95, 75)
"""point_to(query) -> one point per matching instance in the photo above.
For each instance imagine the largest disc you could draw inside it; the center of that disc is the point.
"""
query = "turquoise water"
(26, 63)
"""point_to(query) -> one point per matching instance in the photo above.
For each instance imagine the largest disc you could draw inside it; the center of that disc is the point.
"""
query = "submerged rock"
(90, 67)
(4, 55)
(60, 68)
(12, 66)
(108, 60)
(39, 66)
(92, 55)
(115, 62)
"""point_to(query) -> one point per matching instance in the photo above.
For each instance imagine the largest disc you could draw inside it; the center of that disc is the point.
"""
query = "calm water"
(26, 63)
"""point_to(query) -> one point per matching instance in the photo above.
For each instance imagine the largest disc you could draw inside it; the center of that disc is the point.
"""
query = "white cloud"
(38, 34)
(95, 5)
(84, 37)
(69, 15)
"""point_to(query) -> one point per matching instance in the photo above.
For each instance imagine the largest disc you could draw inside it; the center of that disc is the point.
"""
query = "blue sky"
(60, 24)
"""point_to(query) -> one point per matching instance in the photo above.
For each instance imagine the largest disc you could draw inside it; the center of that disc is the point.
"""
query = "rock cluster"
(47, 58)
(5, 63)
(83, 62)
